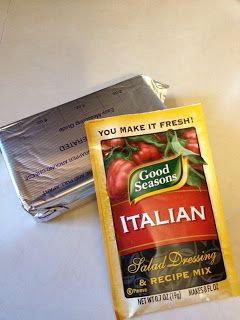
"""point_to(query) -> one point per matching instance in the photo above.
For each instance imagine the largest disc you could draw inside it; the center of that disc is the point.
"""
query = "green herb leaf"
(195, 158)
(193, 178)
(113, 154)
(148, 138)
(178, 148)
(201, 176)
(183, 142)
(180, 131)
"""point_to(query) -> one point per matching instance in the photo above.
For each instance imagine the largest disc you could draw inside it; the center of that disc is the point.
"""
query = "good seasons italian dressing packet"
(160, 210)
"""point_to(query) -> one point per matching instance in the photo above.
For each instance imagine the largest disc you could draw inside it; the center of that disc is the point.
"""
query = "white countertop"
(55, 51)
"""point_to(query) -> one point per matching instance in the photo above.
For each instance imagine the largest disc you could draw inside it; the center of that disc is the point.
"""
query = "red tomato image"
(191, 137)
(146, 153)
(109, 144)
(161, 137)
(117, 178)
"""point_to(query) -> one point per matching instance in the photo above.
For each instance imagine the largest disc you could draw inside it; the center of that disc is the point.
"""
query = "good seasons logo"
(157, 177)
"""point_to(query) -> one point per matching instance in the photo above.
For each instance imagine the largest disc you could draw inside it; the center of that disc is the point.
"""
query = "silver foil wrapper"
(47, 154)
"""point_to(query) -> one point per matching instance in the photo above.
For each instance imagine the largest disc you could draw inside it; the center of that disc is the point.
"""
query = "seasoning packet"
(162, 221)
(47, 154)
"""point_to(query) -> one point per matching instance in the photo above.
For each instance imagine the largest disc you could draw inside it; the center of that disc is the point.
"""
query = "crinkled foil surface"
(47, 154)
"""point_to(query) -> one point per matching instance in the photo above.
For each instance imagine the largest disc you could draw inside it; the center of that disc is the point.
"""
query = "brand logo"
(157, 177)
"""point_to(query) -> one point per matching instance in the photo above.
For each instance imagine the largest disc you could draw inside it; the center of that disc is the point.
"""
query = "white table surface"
(55, 51)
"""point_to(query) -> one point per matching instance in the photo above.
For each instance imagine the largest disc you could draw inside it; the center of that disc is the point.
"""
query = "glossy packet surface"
(161, 216)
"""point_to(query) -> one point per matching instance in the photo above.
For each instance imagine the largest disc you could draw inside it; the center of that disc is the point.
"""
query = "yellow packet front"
(162, 221)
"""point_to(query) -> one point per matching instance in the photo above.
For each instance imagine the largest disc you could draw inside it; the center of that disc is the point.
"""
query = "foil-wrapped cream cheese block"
(47, 154)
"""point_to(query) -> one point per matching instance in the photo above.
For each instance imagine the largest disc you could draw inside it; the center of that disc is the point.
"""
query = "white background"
(53, 51)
